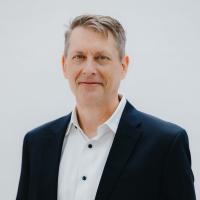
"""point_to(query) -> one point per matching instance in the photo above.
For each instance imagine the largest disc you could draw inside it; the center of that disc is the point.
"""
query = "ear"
(125, 63)
(64, 66)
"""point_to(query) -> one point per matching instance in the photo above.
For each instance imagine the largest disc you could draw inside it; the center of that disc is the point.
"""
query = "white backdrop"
(163, 78)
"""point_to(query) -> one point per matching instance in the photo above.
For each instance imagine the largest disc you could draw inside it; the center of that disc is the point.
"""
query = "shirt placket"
(83, 175)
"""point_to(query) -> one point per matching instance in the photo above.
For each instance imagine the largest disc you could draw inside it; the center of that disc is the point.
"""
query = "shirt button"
(84, 178)
(90, 146)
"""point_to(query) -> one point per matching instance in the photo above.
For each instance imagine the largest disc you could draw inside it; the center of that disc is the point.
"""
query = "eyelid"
(78, 56)
(102, 56)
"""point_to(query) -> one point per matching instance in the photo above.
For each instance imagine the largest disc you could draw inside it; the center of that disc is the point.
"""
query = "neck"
(90, 117)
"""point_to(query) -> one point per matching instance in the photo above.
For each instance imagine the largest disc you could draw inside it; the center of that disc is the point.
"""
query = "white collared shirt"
(83, 159)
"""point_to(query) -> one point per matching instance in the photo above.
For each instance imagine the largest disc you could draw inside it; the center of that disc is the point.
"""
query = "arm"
(178, 180)
(22, 193)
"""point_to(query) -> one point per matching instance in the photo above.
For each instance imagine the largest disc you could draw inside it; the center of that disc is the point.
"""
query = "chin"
(89, 97)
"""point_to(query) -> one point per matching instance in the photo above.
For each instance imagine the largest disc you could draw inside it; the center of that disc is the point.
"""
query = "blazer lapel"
(52, 143)
(126, 137)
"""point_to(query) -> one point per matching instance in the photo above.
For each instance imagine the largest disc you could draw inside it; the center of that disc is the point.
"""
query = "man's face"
(92, 66)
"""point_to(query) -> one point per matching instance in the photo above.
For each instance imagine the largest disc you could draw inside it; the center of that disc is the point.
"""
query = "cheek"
(73, 73)
(113, 75)
(115, 81)
(72, 78)
(76, 75)
(111, 80)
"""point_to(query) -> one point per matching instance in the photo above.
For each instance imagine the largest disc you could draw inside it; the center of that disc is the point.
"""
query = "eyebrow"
(103, 52)
(96, 53)
(78, 52)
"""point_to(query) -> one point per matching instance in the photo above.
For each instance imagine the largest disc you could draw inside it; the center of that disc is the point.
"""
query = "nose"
(89, 67)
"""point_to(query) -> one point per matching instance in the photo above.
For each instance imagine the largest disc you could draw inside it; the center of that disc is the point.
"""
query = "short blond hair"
(101, 24)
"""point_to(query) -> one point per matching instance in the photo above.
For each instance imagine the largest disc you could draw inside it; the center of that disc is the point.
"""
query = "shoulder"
(155, 123)
(153, 126)
(162, 134)
(157, 133)
(49, 128)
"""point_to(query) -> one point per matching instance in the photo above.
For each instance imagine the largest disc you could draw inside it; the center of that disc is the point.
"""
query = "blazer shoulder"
(149, 124)
(49, 128)
(156, 124)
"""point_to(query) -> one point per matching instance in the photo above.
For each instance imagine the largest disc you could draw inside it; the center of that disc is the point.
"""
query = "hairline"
(100, 24)
(104, 34)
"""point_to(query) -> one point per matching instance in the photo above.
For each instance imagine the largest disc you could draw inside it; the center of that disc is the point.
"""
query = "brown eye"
(78, 57)
(102, 58)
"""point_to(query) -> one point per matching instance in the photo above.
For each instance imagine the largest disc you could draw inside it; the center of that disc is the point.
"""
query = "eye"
(78, 57)
(102, 58)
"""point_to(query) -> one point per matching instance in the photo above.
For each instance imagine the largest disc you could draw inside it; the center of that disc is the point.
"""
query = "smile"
(90, 83)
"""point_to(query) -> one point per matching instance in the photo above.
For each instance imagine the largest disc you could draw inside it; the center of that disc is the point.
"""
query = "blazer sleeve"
(178, 180)
(22, 193)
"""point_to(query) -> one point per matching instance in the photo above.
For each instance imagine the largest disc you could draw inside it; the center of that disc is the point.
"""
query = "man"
(105, 149)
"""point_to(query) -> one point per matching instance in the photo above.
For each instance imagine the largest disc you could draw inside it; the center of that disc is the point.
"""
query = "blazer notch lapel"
(122, 148)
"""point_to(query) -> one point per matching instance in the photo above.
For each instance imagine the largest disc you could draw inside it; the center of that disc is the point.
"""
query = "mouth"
(90, 83)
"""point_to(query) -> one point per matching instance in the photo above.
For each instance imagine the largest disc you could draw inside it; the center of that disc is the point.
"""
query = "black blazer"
(149, 159)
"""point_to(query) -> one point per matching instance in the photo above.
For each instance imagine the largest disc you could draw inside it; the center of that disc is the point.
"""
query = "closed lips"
(91, 82)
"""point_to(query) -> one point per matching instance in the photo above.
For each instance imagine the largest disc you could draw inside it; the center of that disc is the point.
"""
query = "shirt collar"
(73, 121)
(112, 122)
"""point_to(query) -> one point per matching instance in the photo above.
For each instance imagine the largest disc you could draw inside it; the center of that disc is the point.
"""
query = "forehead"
(82, 38)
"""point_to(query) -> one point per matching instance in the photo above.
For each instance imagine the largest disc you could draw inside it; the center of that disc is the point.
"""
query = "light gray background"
(163, 78)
